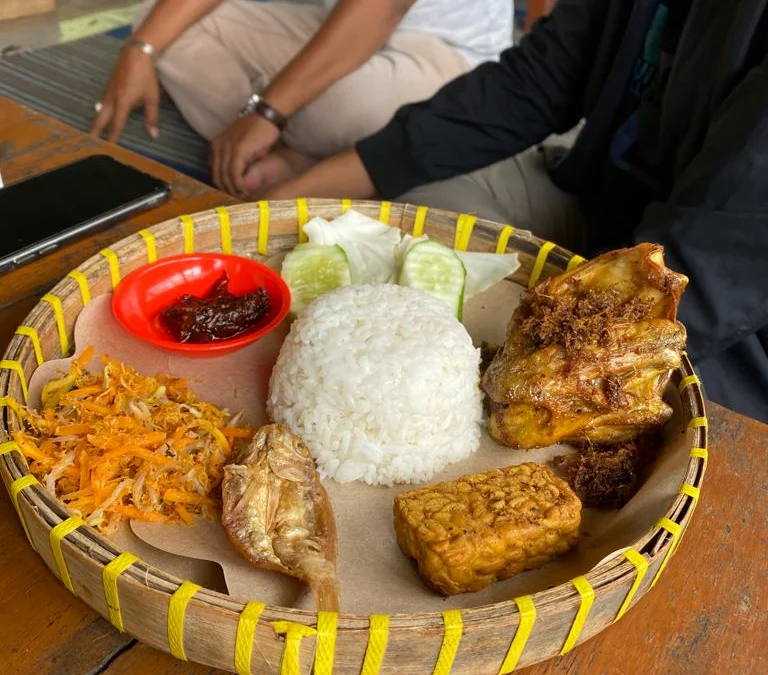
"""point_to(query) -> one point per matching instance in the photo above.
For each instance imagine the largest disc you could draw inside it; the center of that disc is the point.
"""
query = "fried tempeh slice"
(468, 533)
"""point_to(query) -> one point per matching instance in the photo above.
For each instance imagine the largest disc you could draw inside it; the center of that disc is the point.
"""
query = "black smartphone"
(41, 213)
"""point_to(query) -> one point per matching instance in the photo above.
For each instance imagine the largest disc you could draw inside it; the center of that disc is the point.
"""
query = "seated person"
(674, 150)
(332, 74)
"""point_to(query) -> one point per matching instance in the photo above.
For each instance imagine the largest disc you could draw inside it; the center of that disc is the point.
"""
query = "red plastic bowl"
(143, 294)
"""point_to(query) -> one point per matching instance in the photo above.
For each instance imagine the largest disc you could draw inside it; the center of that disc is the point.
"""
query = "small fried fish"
(277, 514)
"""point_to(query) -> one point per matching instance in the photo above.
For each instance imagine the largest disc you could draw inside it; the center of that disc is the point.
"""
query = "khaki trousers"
(212, 69)
(517, 191)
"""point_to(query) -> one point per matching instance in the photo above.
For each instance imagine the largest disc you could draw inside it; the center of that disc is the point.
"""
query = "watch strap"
(258, 106)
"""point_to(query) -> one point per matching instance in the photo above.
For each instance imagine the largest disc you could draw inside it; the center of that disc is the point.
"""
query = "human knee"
(345, 113)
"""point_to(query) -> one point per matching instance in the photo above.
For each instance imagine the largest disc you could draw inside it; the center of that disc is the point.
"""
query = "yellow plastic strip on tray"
(8, 364)
(641, 565)
(246, 629)
(345, 205)
(378, 637)
(384, 212)
(294, 634)
(82, 282)
(503, 240)
(9, 446)
(188, 226)
(13, 404)
(692, 491)
(464, 226)
(687, 382)
(527, 611)
(697, 422)
(114, 265)
(700, 453)
(302, 217)
(587, 594)
(58, 311)
(575, 261)
(538, 266)
(16, 487)
(31, 333)
(454, 627)
(675, 530)
(149, 240)
(418, 221)
(109, 576)
(177, 609)
(325, 650)
(225, 227)
(263, 228)
(57, 534)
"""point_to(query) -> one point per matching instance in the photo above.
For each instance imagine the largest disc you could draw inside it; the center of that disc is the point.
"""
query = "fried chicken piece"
(588, 353)
(468, 533)
(277, 514)
(607, 476)
(488, 352)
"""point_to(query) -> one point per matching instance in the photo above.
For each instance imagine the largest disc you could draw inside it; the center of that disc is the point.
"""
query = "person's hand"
(250, 138)
(133, 83)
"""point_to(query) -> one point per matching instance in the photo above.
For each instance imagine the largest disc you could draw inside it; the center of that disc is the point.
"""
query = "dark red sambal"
(217, 316)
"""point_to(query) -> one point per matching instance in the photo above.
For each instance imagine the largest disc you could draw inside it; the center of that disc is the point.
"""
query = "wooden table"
(31, 143)
(15, 9)
(707, 616)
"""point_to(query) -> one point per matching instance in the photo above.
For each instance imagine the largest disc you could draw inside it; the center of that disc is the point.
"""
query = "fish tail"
(327, 595)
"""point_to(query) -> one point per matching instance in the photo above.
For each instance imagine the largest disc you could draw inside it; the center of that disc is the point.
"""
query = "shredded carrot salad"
(120, 445)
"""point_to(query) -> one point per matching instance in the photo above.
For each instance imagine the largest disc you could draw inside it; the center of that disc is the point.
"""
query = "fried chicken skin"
(588, 353)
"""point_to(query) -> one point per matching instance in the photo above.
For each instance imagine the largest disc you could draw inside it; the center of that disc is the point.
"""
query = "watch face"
(250, 105)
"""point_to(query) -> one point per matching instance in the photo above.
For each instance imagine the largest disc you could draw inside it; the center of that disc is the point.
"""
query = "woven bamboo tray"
(243, 635)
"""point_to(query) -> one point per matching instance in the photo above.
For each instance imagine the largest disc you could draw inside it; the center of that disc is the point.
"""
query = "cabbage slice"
(486, 269)
(369, 245)
(376, 252)
(483, 269)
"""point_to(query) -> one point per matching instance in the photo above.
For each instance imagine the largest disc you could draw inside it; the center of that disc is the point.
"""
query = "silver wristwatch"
(258, 106)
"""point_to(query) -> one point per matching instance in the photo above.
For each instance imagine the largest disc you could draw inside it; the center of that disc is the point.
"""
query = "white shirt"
(478, 29)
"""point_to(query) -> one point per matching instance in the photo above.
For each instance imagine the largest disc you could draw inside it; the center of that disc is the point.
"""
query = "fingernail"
(154, 132)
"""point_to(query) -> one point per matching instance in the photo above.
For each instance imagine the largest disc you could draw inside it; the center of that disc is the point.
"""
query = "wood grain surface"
(31, 143)
(14, 9)
(707, 615)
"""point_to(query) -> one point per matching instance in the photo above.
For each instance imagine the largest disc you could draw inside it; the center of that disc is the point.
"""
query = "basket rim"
(657, 542)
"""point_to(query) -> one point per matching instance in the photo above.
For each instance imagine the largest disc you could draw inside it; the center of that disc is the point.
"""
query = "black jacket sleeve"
(495, 111)
(714, 227)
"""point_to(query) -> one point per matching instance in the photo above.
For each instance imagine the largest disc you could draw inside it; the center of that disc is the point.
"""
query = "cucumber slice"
(312, 269)
(437, 270)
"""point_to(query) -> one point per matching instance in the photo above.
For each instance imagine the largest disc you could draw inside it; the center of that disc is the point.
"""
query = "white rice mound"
(381, 382)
